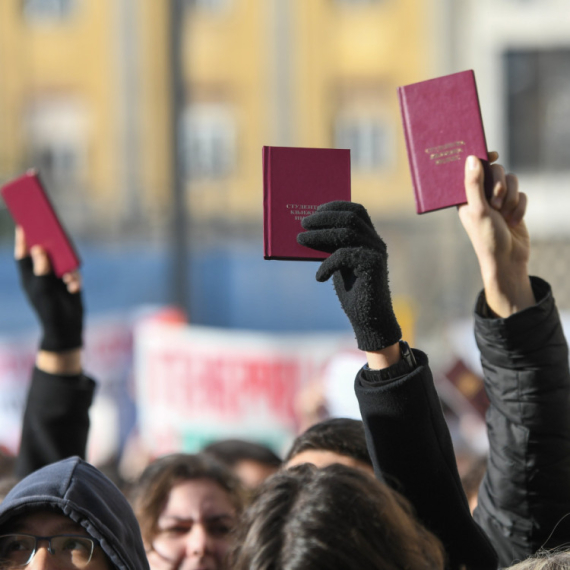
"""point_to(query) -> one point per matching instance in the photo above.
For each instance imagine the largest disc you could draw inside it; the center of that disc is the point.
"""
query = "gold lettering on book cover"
(445, 153)
(300, 211)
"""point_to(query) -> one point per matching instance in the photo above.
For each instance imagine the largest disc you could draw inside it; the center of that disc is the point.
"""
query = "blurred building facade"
(84, 95)
(520, 50)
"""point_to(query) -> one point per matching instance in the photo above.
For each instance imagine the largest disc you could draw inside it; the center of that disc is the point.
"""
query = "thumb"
(40, 260)
(475, 184)
(20, 247)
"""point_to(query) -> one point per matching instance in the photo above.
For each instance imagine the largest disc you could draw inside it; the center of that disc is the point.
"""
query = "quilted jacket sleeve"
(525, 495)
(411, 450)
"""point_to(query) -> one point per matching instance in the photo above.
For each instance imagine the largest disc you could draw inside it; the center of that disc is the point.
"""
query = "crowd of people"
(381, 493)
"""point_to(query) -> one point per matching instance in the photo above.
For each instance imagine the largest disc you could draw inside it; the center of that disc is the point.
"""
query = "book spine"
(409, 147)
(478, 103)
(266, 202)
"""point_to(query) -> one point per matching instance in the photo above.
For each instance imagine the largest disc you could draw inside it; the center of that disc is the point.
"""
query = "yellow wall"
(231, 57)
(375, 49)
(74, 57)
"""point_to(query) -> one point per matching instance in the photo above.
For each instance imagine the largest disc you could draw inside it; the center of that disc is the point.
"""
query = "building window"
(208, 141)
(57, 141)
(369, 139)
(48, 10)
(538, 109)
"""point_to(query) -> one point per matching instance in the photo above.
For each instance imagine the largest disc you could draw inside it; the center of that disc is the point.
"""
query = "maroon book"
(30, 207)
(295, 182)
(442, 126)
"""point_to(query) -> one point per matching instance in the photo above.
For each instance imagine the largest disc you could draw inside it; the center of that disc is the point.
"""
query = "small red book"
(30, 207)
(442, 126)
(295, 182)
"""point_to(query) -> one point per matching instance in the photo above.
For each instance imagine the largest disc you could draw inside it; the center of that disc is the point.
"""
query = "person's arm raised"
(499, 237)
(56, 419)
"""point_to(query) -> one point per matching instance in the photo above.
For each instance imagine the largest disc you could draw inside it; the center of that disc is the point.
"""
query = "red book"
(442, 126)
(30, 207)
(295, 182)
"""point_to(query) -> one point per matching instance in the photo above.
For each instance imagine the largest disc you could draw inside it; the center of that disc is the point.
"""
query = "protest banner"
(197, 384)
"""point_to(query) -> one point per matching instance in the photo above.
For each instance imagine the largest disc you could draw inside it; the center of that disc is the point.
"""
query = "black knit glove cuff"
(60, 312)
(371, 337)
(368, 305)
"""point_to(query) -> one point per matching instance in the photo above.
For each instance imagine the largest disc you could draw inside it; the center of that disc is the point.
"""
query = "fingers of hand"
(356, 260)
(40, 259)
(20, 247)
(474, 184)
(340, 259)
(500, 189)
(335, 219)
(332, 239)
(517, 214)
(493, 156)
(72, 281)
(512, 197)
(342, 206)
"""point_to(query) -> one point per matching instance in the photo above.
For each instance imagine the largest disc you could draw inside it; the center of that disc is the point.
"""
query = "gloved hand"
(358, 265)
(59, 311)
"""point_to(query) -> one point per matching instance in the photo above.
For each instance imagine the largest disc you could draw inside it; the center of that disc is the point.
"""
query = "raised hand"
(358, 265)
(57, 302)
(499, 237)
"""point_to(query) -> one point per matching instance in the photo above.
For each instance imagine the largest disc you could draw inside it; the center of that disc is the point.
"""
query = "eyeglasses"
(70, 551)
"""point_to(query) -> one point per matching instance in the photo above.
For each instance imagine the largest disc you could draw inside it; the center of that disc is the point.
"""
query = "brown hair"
(335, 518)
(150, 492)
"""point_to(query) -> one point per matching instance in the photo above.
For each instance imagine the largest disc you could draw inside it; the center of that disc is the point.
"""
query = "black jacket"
(86, 496)
(411, 450)
(525, 494)
(56, 420)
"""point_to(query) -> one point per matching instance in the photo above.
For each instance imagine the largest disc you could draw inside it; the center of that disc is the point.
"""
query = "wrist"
(66, 362)
(384, 358)
(508, 294)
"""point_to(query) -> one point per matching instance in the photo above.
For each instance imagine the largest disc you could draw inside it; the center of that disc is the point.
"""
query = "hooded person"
(70, 512)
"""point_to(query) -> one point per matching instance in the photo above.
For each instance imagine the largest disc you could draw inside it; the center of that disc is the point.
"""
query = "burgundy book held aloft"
(295, 182)
(442, 126)
(30, 207)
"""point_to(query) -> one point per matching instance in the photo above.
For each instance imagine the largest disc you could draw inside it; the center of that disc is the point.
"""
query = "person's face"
(252, 473)
(45, 523)
(193, 528)
(321, 458)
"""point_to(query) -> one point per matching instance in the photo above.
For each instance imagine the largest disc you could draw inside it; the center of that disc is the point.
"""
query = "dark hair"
(231, 451)
(340, 435)
(336, 518)
(150, 493)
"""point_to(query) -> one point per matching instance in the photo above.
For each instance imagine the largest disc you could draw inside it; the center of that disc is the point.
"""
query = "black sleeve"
(525, 494)
(56, 420)
(411, 450)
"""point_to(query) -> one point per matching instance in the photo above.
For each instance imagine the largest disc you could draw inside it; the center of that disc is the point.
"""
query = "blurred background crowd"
(146, 120)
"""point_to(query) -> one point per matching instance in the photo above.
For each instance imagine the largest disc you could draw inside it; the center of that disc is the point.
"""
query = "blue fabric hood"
(82, 493)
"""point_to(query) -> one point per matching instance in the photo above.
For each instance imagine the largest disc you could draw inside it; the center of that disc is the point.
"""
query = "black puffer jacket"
(526, 492)
(411, 450)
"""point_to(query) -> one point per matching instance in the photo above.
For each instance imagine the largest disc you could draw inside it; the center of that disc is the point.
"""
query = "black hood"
(83, 494)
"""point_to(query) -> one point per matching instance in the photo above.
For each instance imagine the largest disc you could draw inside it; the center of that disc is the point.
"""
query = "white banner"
(197, 384)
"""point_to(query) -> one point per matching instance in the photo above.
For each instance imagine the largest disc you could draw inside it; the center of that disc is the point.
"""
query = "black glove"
(60, 312)
(359, 269)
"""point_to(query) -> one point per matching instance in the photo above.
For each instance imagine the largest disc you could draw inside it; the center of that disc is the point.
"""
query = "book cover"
(442, 127)
(295, 182)
(30, 207)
